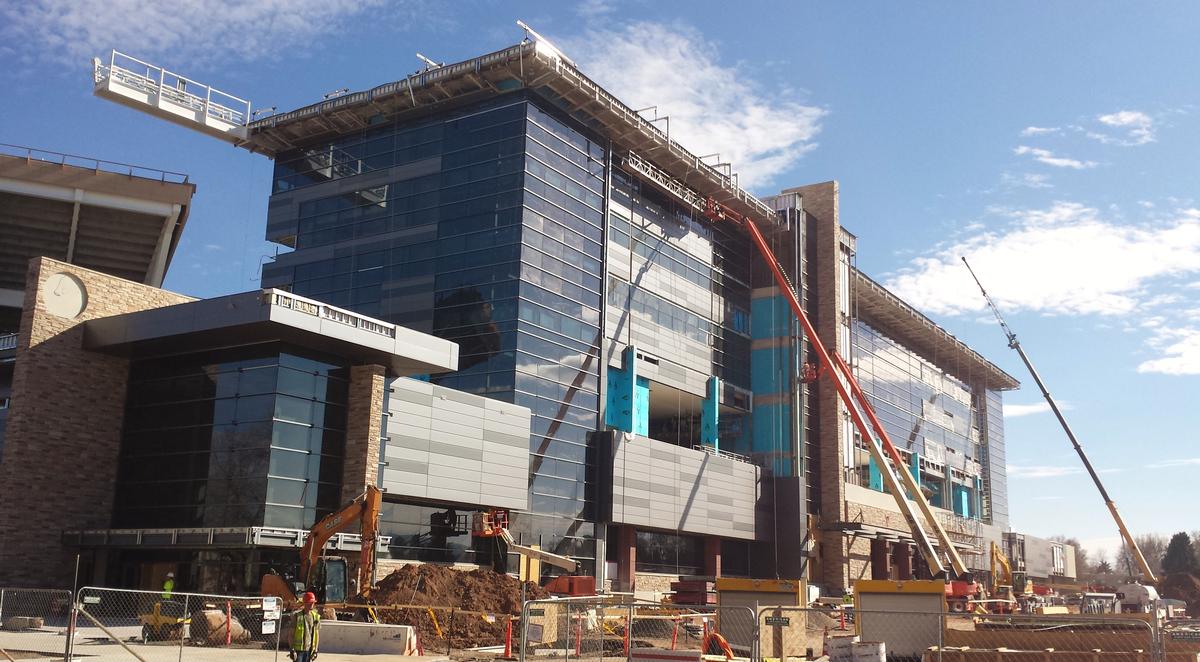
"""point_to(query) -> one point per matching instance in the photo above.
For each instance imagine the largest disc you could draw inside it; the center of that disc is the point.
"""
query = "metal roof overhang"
(266, 316)
(223, 537)
(890, 535)
(900, 321)
(528, 65)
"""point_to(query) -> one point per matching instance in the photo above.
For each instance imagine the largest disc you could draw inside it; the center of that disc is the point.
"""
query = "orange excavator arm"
(364, 510)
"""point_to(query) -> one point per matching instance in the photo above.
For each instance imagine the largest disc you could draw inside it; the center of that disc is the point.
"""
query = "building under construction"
(679, 422)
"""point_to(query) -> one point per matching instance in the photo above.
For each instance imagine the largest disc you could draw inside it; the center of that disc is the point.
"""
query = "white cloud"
(1015, 411)
(74, 31)
(1180, 349)
(592, 9)
(714, 108)
(1041, 471)
(1039, 130)
(1064, 259)
(1047, 157)
(1139, 127)
(1171, 464)
(1070, 259)
(1027, 180)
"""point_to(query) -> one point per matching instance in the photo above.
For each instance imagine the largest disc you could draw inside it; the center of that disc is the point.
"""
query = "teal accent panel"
(962, 500)
(710, 414)
(914, 467)
(419, 378)
(874, 476)
(977, 509)
(770, 317)
(641, 407)
(768, 371)
(619, 414)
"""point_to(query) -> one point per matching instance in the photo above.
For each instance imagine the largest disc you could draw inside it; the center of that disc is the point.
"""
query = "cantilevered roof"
(270, 315)
(639, 143)
(119, 219)
(900, 321)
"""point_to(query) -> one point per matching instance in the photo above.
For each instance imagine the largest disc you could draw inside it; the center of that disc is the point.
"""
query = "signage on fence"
(91, 599)
(268, 626)
(1185, 635)
(272, 610)
(537, 612)
(778, 620)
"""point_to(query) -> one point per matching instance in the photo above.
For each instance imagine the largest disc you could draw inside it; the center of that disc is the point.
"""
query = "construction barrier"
(34, 623)
(619, 627)
(149, 626)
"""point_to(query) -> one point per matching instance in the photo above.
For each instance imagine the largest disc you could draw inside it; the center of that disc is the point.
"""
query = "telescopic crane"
(856, 402)
(1112, 506)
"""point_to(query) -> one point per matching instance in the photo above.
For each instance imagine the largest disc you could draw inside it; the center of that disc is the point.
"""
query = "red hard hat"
(310, 598)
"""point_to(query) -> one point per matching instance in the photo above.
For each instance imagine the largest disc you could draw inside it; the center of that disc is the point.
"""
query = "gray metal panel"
(456, 447)
(664, 486)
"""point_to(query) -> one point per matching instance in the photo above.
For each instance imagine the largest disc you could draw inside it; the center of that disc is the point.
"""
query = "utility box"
(779, 625)
(905, 614)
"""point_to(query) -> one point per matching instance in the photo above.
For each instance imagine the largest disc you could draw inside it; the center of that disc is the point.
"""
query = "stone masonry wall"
(64, 429)
(364, 427)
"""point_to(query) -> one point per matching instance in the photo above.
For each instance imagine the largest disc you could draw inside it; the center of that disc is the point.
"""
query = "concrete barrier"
(348, 637)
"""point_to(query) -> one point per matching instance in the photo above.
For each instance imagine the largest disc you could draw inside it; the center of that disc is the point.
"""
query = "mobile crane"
(327, 576)
(879, 444)
(1112, 506)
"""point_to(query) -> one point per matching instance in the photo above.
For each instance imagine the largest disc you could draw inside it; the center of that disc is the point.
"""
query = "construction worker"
(168, 586)
(308, 629)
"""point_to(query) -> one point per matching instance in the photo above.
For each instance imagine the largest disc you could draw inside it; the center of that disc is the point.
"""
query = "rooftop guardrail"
(98, 165)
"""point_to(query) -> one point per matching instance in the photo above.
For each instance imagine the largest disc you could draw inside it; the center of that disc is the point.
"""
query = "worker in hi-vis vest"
(168, 586)
(308, 630)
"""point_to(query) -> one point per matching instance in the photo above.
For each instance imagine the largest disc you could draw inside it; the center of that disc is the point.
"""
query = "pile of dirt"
(483, 599)
(1182, 586)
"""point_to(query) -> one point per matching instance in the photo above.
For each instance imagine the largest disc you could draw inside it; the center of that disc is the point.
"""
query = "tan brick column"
(364, 427)
(821, 206)
(61, 448)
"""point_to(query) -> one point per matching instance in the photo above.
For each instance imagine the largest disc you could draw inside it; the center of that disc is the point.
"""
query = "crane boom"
(1112, 506)
(897, 486)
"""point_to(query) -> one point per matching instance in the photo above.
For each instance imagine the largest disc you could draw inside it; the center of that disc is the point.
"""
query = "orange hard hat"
(310, 598)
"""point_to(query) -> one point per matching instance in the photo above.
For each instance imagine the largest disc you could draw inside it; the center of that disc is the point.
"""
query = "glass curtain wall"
(925, 410)
(243, 437)
(495, 245)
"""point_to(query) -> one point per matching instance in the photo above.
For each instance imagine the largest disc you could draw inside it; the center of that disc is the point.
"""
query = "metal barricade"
(1062, 636)
(618, 628)
(150, 626)
(34, 622)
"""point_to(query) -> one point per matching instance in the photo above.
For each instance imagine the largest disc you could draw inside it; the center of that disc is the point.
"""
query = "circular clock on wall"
(64, 295)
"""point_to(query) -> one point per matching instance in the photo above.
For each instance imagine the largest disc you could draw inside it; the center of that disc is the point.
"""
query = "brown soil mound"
(446, 590)
(1182, 586)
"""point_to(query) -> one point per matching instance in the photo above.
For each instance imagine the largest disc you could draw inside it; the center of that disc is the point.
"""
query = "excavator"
(1007, 586)
(328, 576)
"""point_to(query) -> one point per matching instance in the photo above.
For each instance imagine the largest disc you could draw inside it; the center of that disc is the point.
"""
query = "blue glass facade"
(950, 431)
(490, 235)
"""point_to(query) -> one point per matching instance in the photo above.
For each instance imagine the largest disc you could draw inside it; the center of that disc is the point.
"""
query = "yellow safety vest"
(308, 628)
(168, 589)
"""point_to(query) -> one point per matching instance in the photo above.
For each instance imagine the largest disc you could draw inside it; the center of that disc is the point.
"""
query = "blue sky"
(1055, 144)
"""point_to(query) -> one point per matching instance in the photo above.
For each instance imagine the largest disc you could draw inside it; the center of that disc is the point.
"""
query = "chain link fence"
(34, 622)
(851, 635)
(620, 629)
(150, 626)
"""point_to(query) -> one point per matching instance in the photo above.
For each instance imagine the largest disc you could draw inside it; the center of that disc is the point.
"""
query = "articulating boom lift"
(1112, 506)
(833, 365)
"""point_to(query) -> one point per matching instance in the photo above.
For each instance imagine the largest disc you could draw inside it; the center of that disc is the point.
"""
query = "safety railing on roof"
(8, 341)
(711, 450)
(99, 165)
(141, 75)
